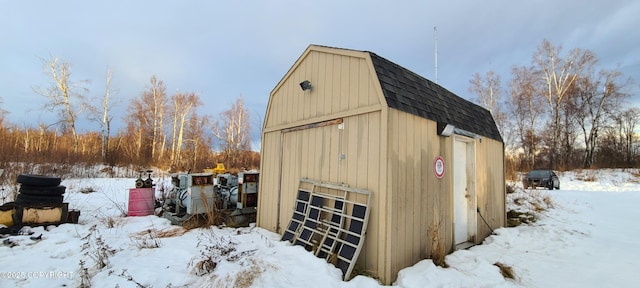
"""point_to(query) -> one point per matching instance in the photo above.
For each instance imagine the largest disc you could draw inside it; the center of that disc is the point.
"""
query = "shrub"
(525, 207)
(213, 250)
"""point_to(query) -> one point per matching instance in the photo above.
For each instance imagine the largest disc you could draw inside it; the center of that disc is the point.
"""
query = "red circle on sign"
(438, 167)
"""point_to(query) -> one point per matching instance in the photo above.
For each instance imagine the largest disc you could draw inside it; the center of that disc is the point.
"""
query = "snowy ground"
(589, 238)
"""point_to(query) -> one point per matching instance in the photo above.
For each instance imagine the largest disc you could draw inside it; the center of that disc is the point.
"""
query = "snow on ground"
(588, 238)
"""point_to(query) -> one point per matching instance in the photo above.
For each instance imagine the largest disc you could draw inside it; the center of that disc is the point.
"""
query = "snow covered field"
(588, 238)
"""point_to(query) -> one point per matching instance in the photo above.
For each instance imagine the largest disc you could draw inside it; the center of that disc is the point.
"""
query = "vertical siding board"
(305, 159)
(273, 113)
(447, 199)
(335, 84)
(297, 95)
(350, 148)
(374, 252)
(328, 83)
(426, 217)
(345, 82)
(321, 92)
(287, 103)
(334, 161)
(407, 162)
(354, 83)
(403, 187)
(266, 217)
(417, 191)
(392, 191)
(481, 188)
(436, 189)
(367, 94)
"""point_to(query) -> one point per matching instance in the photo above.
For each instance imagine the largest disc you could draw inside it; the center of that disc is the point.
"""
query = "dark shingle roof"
(414, 94)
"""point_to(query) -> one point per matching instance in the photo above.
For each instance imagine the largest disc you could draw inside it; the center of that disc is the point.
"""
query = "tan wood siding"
(340, 83)
(381, 149)
(420, 202)
(269, 177)
(491, 196)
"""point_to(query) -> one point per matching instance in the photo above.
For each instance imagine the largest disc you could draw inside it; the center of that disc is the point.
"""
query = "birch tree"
(558, 75)
(183, 104)
(102, 116)
(525, 110)
(233, 131)
(488, 92)
(2, 112)
(154, 100)
(64, 96)
(198, 138)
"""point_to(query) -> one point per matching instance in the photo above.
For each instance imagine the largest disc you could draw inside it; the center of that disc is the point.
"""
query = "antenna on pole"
(435, 36)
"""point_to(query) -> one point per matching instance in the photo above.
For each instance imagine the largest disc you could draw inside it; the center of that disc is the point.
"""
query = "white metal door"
(460, 192)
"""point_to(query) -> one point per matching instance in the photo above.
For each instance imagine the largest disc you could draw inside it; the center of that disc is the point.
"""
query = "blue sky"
(226, 49)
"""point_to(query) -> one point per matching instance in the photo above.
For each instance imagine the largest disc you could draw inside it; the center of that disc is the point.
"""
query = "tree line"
(161, 130)
(560, 112)
(563, 112)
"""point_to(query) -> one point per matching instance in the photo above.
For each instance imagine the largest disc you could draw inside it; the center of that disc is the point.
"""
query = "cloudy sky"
(226, 49)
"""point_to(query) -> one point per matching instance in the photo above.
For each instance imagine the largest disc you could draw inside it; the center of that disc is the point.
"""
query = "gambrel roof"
(414, 94)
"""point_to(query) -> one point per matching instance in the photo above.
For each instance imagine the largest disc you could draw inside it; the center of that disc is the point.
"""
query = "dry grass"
(147, 239)
(635, 176)
(213, 249)
(543, 201)
(506, 271)
(213, 216)
(358, 270)
(438, 250)
(525, 207)
(587, 176)
(168, 232)
(248, 275)
(510, 188)
(111, 222)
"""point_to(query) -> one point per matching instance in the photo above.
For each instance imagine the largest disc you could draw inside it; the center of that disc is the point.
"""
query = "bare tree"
(64, 96)
(154, 100)
(489, 96)
(559, 75)
(137, 120)
(102, 115)
(183, 105)
(525, 110)
(198, 138)
(629, 120)
(597, 95)
(145, 116)
(2, 113)
(234, 131)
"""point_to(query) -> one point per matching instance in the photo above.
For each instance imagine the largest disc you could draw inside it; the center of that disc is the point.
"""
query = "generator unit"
(246, 194)
(191, 194)
(200, 193)
(248, 190)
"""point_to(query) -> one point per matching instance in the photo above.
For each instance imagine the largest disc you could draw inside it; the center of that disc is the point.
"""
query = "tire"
(42, 191)
(38, 180)
(24, 199)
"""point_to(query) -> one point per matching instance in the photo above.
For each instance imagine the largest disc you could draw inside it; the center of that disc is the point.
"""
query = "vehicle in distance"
(541, 178)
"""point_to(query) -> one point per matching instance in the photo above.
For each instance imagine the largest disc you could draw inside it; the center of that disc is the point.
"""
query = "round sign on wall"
(438, 167)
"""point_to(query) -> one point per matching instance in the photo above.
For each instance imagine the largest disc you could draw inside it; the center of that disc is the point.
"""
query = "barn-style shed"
(432, 161)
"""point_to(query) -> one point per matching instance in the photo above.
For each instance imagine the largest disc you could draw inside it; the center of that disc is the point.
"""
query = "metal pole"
(435, 35)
